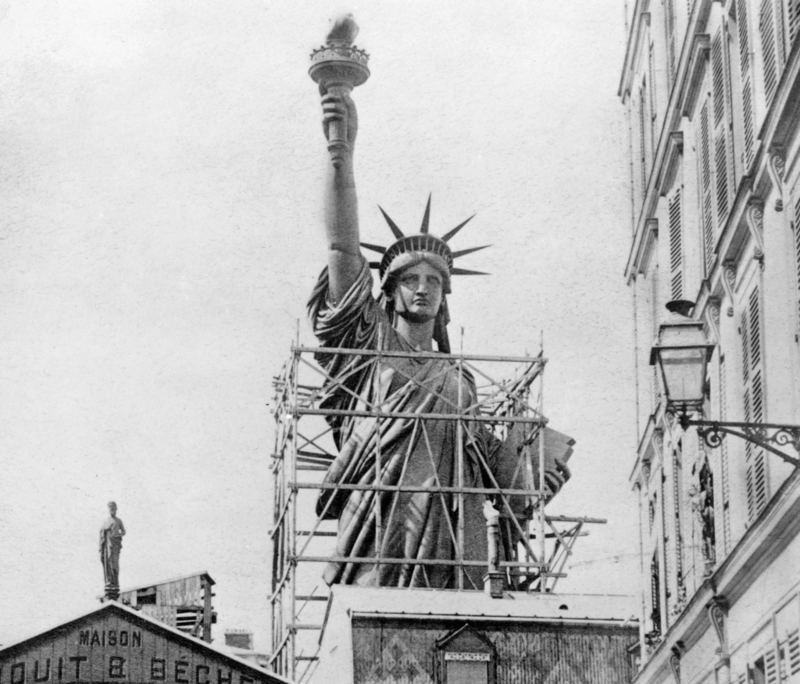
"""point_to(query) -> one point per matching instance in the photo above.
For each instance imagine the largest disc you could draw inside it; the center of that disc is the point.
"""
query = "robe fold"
(397, 450)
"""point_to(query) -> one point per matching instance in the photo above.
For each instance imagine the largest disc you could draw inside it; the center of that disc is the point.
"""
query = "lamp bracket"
(768, 436)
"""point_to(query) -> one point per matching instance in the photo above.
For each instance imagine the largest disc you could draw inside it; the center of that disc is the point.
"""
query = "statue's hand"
(337, 105)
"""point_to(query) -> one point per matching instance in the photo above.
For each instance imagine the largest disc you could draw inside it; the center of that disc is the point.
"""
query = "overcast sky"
(161, 164)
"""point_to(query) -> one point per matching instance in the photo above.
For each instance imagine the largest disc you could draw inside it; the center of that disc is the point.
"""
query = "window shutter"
(705, 176)
(677, 472)
(793, 650)
(747, 82)
(770, 47)
(793, 20)
(675, 245)
(655, 594)
(668, 523)
(719, 92)
(796, 227)
(721, 160)
(724, 464)
(771, 667)
(756, 480)
(717, 78)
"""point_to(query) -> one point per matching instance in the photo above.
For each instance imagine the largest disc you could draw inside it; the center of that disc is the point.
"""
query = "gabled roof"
(147, 624)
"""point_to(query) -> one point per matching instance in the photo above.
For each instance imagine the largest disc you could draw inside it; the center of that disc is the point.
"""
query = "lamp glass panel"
(684, 374)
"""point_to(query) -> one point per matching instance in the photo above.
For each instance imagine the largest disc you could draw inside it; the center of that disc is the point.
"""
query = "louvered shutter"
(668, 523)
(655, 594)
(675, 245)
(769, 30)
(796, 228)
(752, 375)
(719, 91)
(748, 111)
(792, 22)
(709, 234)
(677, 473)
(724, 462)
(793, 656)
(771, 667)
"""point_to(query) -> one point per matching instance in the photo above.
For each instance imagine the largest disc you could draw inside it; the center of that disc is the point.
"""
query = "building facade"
(711, 91)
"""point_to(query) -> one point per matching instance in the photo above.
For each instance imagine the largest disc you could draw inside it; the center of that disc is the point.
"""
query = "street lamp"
(682, 352)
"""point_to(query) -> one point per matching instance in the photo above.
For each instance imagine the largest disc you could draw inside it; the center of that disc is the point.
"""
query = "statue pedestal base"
(494, 584)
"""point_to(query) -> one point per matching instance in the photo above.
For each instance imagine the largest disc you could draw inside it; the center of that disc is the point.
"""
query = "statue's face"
(112, 508)
(418, 292)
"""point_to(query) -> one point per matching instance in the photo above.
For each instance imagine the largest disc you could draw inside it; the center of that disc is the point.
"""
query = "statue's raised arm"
(338, 67)
(341, 201)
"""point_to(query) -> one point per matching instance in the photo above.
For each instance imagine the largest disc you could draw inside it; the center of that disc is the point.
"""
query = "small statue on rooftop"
(111, 534)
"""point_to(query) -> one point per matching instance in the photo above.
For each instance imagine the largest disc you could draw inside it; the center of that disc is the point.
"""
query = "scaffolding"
(509, 398)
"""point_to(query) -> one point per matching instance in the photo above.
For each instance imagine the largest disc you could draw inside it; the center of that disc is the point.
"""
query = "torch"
(338, 67)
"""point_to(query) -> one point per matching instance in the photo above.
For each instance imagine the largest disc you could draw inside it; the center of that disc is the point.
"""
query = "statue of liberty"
(410, 315)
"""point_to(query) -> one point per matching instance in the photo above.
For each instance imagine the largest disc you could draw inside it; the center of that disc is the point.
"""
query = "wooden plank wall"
(389, 652)
(183, 592)
(111, 648)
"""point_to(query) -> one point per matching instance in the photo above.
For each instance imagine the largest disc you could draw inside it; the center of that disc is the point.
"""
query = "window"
(720, 97)
(771, 48)
(748, 124)
(709, 234)
(753, 401)
(792, 21)
(675, 244)
(655, 596)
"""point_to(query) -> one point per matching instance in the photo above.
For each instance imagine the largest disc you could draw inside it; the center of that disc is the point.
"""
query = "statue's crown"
(421, 242)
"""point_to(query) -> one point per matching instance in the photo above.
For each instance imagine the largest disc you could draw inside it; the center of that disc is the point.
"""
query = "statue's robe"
(409, 452)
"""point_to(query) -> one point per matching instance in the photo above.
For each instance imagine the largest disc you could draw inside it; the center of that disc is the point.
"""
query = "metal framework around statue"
(304, 449)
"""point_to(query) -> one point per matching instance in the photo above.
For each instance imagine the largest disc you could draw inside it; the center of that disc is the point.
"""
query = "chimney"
(239, 638)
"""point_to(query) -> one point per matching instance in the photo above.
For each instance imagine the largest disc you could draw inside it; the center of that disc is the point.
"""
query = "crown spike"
(465, 271)
(397, 232)
(464, 252)
(447, 236)
(425, 219)
(374, 248)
